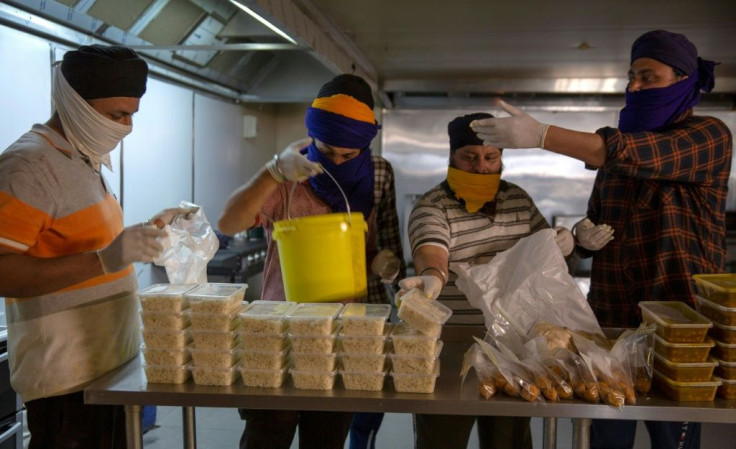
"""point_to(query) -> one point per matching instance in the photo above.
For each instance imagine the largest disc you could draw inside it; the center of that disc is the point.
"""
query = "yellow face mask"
(475, 189)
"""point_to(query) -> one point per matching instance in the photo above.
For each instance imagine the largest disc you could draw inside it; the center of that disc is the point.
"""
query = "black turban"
(460, 132)
(100, 71)
(672, 49)
(351, 85)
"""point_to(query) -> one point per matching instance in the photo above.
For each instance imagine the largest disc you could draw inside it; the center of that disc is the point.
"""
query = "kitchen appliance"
(11, 407)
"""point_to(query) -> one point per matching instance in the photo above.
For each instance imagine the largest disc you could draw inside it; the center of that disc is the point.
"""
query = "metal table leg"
(188, 428)
(133, 432)
(549, 433)
(581, 433)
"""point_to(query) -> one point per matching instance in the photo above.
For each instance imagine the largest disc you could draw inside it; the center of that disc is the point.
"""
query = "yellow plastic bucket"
(322, 256)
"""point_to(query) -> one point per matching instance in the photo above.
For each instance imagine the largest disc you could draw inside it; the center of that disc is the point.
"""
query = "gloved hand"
(386, 265)
(135, 244)
(564, 240)
(290, 165)
(518, 131)
(592, 237)
(166, 216)
(430, 285)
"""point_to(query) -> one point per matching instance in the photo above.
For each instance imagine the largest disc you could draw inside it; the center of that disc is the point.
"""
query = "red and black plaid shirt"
(664, 193)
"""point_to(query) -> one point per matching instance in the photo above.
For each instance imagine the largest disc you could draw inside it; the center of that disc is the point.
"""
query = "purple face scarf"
(355, 177)
(652, 109)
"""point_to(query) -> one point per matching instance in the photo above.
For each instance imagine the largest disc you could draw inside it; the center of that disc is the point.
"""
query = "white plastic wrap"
(191, 244)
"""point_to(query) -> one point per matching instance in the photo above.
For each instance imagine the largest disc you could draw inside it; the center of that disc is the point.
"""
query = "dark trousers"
(453, 431)
(275, 429)
(65, 422)
(363, 430)
(620, 434)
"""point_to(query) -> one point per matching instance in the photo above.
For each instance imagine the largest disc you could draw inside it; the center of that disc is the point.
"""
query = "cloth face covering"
(355, 177)
(475, 189)
(90, 132)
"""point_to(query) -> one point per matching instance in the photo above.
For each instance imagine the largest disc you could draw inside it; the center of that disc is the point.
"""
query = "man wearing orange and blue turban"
(297, 182)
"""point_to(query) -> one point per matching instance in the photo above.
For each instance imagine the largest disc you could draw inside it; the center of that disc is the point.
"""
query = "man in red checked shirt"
(662, 185)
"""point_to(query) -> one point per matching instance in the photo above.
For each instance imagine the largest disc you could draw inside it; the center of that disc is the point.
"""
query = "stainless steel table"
(127, 386)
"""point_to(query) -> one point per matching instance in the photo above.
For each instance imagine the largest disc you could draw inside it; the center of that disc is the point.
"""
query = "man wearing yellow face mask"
(469, 217)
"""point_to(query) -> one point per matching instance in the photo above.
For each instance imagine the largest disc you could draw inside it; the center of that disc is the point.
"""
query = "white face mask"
(91, 133)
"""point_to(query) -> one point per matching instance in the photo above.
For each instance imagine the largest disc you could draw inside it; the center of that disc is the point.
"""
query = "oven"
(11, 408)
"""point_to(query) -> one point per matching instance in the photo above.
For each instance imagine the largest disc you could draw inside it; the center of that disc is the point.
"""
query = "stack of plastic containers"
(166, 333)
(312, 333)
(717, 300)
(682, 368)
(264, 351)
(415, 362)
(214, 311)
(363, 343)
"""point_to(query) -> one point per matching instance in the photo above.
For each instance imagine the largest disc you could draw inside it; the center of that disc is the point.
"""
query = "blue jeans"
(363, 430)
(620, 434)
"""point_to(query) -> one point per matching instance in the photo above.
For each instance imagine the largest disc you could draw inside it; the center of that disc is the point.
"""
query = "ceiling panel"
(173, 23)
(121, 14)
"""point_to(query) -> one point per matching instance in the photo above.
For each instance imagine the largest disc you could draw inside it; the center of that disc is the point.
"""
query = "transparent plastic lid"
(673, 314)
(268, 309)
(165, 290)
(217, 292)
(315, 310)
(403, 330)
(365, 311)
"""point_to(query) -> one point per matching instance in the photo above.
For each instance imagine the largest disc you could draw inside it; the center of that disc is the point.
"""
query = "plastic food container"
(214, 340)
(726, 370)
(676, 321)
(363, 344)
(263, 342)
(687, 391)
(415, 364)
(719, 288)
(263, 359)
(717, 312)
(214, 376)
(364, 319)
(312, 343)
(727, 389)
(220, 322)
(426, 316)
(313, 318)
(166, 339)
(371, 363)
(165, 297)
(171, 321)
(165, 356)
(265, 317)
(264, 378)
(165, 374)
(409, 341)
(313, 380)
(365, 381)
(216, 298)
(725, 334)
(416, 383)
(683, 352)
(725, 351)
(214, 358)
(685, 372)
(313, 361)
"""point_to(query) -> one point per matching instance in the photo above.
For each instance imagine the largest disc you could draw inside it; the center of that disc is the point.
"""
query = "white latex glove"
(564, 240)
(135, 244)
(592, 237)
(430, 285)
(166, 216)
(518, 131)
(386, 265)
(290, 165)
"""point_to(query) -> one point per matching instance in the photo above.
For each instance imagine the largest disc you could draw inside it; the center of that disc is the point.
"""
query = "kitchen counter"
(127, 386)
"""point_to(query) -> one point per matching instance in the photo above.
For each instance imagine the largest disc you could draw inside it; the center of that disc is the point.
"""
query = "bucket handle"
(293, 187)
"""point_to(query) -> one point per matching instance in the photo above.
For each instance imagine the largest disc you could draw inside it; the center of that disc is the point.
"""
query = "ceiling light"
(271, 26)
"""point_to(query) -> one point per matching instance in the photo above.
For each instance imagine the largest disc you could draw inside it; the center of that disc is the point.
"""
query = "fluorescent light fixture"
(271, 26)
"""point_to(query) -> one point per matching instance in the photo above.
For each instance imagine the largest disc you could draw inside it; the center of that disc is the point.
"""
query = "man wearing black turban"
(661, 185)
(65, 258)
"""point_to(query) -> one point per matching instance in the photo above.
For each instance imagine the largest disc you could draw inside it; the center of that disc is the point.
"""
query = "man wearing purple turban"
(662, 185)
